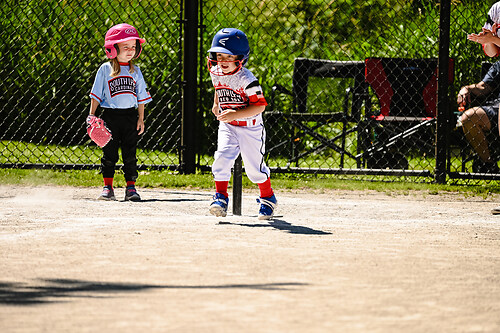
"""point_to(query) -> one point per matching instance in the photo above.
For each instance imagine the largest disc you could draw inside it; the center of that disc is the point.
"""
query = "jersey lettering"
(229, 96)
(238, 91)
(121, 85)
(231, 99)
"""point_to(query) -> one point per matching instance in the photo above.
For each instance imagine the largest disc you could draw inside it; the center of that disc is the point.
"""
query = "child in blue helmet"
(238, 105)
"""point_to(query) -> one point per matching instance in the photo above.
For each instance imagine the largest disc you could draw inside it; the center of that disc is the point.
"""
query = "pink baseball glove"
(97, 130)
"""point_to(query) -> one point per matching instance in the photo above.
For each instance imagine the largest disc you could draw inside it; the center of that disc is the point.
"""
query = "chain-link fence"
(352, 86)
(50, 56)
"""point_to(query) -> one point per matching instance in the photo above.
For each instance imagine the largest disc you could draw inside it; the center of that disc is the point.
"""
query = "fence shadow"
(56, 290)
(282, 225)
(168, 200)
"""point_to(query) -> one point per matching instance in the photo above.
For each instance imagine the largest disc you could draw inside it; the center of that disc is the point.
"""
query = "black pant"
(123, 126)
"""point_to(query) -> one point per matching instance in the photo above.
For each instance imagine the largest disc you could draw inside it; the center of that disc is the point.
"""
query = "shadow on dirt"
(168, 200)
(282, 225)
(59, 290)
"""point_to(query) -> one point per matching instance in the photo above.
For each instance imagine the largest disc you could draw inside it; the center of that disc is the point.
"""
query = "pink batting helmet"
(121, 33)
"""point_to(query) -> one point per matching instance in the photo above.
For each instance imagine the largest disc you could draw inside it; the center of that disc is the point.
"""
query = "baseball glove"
(97, 130)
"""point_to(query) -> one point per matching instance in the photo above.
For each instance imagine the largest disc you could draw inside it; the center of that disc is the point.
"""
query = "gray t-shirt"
(492, 79)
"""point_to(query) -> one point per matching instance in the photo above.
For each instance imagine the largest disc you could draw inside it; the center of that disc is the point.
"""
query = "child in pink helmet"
(121, 92)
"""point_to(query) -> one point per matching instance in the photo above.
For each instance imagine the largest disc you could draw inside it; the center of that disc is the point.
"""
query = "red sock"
(221, 187)
(108, 182)
(266, 189)
(131, 183)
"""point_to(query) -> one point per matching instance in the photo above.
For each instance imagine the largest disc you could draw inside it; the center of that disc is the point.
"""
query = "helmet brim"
(218, 49)
(110, 43)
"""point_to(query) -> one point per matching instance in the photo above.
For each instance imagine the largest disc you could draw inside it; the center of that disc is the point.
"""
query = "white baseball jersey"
(246, 135)
(124, 91)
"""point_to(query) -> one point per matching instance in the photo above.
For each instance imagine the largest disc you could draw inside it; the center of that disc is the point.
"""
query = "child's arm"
(464, 95)
(93, 106)
(229, 115)
(140, 121)
(215, 107)
(489, 40)
(491, 49)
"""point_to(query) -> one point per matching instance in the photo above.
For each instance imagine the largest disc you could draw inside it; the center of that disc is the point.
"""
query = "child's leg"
(110, 151)
(252, 141)
(108, 161)
(108, 181)
(129, 138)
(227, 151)
(265, 189)
(221, 187)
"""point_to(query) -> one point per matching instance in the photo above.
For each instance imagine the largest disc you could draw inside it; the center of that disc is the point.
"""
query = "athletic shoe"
(495, 211)
(218, 207)
(107, 193)
(131, 194)
(267, 207)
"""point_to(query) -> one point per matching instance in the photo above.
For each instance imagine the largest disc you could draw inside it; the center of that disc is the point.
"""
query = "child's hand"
(140, 126)
(216, 110)
(484, 37)
(227, 116)
(463, 97)
(90, 119)
(494, 28)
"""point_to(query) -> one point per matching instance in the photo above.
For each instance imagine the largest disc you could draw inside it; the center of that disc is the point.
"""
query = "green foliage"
(52, 50)
(18, 152)
(51, 55)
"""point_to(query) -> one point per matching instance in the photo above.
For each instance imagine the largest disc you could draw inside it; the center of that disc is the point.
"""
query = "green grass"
(19, 152)
(93, 178)
(204, 181)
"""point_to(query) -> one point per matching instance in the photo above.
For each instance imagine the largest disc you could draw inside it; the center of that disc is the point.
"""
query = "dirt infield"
(329, 262)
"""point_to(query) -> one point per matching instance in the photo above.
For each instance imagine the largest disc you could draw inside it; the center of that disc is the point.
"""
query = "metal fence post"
(442, 94)
(190, 86)
(237, 186)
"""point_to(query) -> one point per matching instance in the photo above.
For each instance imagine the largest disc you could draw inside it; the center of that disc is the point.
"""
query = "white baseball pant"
(250, 141)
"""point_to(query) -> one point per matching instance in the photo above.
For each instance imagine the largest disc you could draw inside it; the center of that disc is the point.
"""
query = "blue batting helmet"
(231, 41)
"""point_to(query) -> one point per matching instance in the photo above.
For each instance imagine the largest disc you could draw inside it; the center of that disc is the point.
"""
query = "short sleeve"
(492, 78)
(97, 91)
(143, 95)
(255, 95)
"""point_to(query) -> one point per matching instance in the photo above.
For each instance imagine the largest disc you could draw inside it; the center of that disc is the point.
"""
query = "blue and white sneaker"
(219, 206)
(267, 207)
